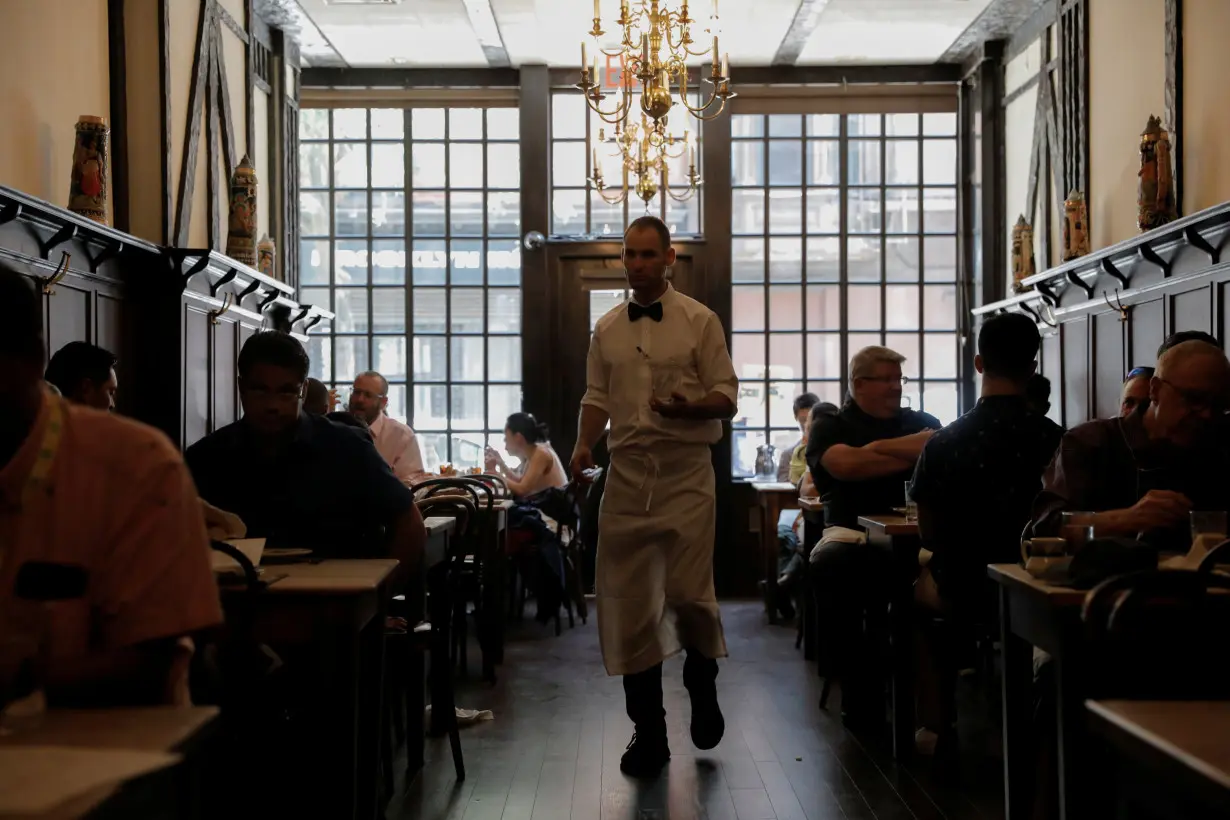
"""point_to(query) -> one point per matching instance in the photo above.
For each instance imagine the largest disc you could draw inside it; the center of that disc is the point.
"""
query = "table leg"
(370, 711)
(768, 553)
(1017, 683)
(416, 670)
(1079, 767)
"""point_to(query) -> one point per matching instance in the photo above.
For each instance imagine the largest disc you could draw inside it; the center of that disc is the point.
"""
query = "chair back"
(1160, 634)
(465, 512)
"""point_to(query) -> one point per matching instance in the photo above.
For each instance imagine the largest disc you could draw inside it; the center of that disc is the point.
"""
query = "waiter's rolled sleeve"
(714, 366)
(597, 377)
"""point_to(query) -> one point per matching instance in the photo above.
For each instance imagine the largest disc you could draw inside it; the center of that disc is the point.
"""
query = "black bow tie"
(636, 311)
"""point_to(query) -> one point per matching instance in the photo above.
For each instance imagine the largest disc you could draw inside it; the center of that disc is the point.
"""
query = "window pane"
(430, 358)
(601, 302)
(427, 123)
(785, 307)
(823, 307)
(315, 296)
(350, 213)
(466, 213)
(907, 345)
(785, 125)
(939, 125)
(568, 212)
(940, 259)
(465, 310)
(781, 414)
(503, 124)
(747, 308)
(901, 307)
(901, 259)
(503, 310)
(901, 125)
(466, 263)
(785, 260)
(863, 125)
(747, 163)
(785, 162)
(349, 123)
(388, 165)
(430, 262)
(504, 165)
(388, 123)
(746, 125)
(503, 213)
(388, 310)
(431, 408)
(428, 213)
(502, 401)
(350, 165)
(786, 355)
(940, 350)
(350, 305)
(830, 391)
(747, 352)
(467, 363)
(940, 210)
(823, 355)
(313, 123)
(388, 262)
(864, 162)
(435, 446)
(427, 160)
(568, 165)
(390, 353)
(940, 306)
(429, 310)
(901, 209)
(504, 358)
(863, 258)
(940, 162)
(350, 262)
(823, 125)
(568, 112)
(902, 161)
(504, 262)
(823, 210)
(349, 357)
(605, 218)
(786, 211)
(747, 260)
(743, 451)
(683, 218)
(747, 211)
(823, 259)
(314, 262)
(320, 354)
(863, 307)
(864, 210)
(388, 213)
(314, 165)
(397, 402)
(465, 165)
(823, 162)
(940, 400)
(313, 213)
(465, 123)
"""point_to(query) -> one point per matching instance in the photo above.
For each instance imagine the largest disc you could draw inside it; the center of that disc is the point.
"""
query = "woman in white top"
(540, 468)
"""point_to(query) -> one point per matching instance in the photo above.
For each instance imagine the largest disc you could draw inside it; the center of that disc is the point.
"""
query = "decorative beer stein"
(87, 193)
(1075, 226)
(1022, 254)
(266, 253)
(1155, 199)
(241, 221)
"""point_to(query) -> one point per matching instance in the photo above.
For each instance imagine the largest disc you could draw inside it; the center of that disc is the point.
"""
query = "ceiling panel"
(410, 33)
(888, 31)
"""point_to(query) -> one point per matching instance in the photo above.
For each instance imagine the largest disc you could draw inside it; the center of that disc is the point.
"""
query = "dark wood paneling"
(117, 66)
(1074, 337)
(1108, 362)
(538, 395)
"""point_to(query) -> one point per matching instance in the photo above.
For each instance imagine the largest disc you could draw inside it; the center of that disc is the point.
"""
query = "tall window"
(576, 211)
(844, 236)
(439, 188)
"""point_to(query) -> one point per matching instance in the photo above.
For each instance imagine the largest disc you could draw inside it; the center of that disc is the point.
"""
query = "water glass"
(1076, 528)
(911, 509)
(667, 380)
(1208, 526)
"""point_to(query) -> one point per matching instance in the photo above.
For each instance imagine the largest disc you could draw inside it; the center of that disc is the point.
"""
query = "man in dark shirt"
(1144, 473)
(860, 459)
(977, 478)
(300, 480)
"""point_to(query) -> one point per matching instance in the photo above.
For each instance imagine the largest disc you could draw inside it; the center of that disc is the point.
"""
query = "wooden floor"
(552, 751)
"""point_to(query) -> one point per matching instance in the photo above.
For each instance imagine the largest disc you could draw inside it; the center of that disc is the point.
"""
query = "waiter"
(660, 373)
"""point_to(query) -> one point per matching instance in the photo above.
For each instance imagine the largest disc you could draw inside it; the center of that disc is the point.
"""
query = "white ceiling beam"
(806, 18)
(482, 20)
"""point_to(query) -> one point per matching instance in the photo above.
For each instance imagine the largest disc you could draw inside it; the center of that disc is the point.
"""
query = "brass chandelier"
(654, 48)
(644, 153)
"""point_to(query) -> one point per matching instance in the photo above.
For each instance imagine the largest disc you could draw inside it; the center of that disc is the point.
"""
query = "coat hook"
(1117, 306)
(1045, 309)
(228, 301)
(51, 281)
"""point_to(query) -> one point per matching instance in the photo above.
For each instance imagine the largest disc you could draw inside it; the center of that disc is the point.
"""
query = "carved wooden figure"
(87, 193)
(241, 223)
(1155, 199)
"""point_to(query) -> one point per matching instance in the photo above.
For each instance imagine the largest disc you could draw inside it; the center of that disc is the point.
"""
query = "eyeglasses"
(903, 380)
(367, 394)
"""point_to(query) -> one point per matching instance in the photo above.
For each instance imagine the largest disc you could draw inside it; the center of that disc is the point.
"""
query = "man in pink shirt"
(394, 441)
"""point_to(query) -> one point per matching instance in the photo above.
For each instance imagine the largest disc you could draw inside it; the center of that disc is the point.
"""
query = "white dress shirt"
(398, 446)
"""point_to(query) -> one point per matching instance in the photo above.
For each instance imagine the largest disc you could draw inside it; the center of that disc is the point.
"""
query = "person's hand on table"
(1160, 508)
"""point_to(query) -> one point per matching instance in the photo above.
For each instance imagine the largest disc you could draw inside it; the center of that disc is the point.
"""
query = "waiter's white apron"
(655, 558)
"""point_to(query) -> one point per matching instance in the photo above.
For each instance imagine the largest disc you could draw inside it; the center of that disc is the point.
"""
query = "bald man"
(1143, 473)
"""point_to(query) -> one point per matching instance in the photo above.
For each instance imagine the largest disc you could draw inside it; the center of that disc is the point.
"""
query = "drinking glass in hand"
(911, 509)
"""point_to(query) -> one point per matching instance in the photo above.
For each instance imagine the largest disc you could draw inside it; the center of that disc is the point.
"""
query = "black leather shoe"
(645, 757)
(708, 725)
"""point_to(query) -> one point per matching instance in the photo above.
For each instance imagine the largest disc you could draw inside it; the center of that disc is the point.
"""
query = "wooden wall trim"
(222, 108)
(225, 17)
(164, 89)
(117, 66)
(212, 138)
(1173, 91)
(993, 220)
(249, 87)
(192, 134)
(535, 138)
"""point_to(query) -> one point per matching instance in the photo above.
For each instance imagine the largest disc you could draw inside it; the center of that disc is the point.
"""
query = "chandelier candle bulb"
(725, 66)
(715, 55)
(584, 57)
(644, 51)
(597, 9)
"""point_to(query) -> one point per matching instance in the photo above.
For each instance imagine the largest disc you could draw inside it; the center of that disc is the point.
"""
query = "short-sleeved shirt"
(327, 490)
(978, 478)
(399, 447)
(117, 502)
(1110, 464)
(845, 501)
(624, 355)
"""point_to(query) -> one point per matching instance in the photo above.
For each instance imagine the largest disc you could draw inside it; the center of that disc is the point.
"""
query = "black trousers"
(643, 692)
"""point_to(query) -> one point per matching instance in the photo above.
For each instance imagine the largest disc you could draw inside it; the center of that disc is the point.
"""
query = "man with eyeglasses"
(860, 460)
(300, 480)
(396, 443)
(1143, 473)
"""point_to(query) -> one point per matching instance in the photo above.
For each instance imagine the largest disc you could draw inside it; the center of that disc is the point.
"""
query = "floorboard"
(552, 752)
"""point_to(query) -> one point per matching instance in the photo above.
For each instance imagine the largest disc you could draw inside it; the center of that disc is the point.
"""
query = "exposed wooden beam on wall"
(213, 92)
(806, 18)
(230, 156)
(164, 90)
(118, 73)
(1028, 32)
(482, 20)
(230, 22)
(249, 86)
(192, 135)
(1173, 92)
(1073, 21)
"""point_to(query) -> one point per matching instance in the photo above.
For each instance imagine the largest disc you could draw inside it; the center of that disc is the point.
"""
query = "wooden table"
(1171, 757)
(772, 497)
(174, 791)
(439, 530)
(899, 537)
(338, 608)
